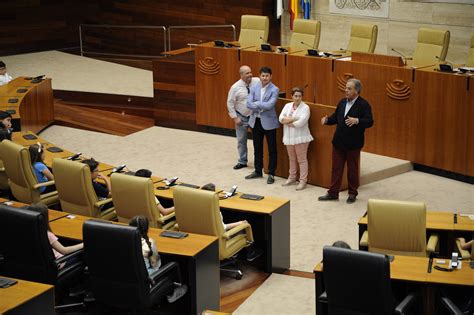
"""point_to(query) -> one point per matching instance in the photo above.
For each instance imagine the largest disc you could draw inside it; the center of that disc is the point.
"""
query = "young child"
(4, 77)
(147, 174)
(58, 249)
(152, 258)
(103, 191)
(42, 172)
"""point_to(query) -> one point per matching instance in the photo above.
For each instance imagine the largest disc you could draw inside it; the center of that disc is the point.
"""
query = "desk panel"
(27, 297)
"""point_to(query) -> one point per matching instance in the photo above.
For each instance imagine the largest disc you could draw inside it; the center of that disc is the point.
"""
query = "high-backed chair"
(431, 43)
(133, 196)
(363, 38)
(119, 277)
(23, 182)
(253, 30)
(27, 254)
(197, 211)
(465, 254)
(76, 193)
(3, 177)
(470, 58)
(305, 32)
(397, 228)
(358, 282)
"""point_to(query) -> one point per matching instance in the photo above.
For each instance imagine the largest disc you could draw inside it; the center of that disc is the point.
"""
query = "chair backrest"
(253, 30)
(357, 282)
(74, 184)
(3, 177)
(24, 246)
(470, 58)
(363, 38)
(118, 277)
(397, 227)
(197, 211)
(306, 31)
(133, 196)
(431, 43)
(17, 162)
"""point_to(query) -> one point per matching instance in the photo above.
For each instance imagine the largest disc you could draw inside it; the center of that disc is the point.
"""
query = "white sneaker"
(301, 186)
(289, 182)
(178, 292)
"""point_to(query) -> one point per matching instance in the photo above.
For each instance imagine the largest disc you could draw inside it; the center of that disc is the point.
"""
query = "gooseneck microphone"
(402, 55)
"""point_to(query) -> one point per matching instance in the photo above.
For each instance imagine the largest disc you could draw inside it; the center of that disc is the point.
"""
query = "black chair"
(118, 276)
(25, 252)
(358, 282)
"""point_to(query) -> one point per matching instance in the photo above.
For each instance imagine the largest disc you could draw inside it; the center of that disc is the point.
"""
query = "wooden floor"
(84, 117)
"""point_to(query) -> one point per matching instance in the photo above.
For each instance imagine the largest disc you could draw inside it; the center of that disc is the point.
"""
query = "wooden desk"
(198, 256)
(269, 218)
(415, 270)
(27, 297)
(35, 106)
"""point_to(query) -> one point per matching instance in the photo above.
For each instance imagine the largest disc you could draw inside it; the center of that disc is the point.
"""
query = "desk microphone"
(402, 55)
(311, 50)
(446, 66)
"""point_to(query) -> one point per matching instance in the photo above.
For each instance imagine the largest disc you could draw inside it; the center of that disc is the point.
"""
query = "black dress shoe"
(328, 197)
(270, 179)
(351, 199)
(253, 175)
(238, 166)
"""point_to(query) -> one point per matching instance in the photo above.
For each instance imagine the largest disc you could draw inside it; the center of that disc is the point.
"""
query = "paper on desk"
(345, 59)
(470, 216)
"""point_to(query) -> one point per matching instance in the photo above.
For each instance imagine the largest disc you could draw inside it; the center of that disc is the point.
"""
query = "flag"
(294, 9)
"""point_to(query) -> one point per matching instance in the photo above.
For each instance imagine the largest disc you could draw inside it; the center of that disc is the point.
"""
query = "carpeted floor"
(200, 158)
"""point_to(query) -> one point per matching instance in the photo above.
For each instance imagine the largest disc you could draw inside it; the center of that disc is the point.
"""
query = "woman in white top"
(296, 137)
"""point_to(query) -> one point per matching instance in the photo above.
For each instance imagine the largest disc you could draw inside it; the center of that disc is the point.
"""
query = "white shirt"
(262, 94)
(299, 133)
(4, 79)
(237, 98)
(349, 106)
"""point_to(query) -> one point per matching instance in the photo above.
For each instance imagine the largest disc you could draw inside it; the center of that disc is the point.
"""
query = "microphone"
(74, 157)
(402, 55)
(446, 66)
(311, 50)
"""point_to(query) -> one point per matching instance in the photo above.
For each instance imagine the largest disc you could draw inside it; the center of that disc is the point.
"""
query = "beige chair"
(431, 43)
(133, 196)
(197, 211)
(3, 177)
(253, 30)
(397, 228)
(76, 193)
(363, 38)
(23, 182)
(465, 254)
(470, 59)
(306, 31)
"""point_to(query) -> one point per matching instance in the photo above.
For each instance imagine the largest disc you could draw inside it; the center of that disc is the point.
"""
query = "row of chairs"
(431, 43)
(197, 211)
(117, 277)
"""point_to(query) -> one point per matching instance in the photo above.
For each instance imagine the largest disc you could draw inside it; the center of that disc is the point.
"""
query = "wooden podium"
(31, 104)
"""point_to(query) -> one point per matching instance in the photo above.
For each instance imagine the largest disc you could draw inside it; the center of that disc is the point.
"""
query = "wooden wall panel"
(37, 25)
(470, 132)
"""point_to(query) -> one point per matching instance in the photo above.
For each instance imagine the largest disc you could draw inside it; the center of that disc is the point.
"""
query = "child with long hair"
(152, 258)
(58, 249)
(42, 172)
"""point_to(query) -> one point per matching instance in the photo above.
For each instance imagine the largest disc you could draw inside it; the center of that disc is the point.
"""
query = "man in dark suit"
(264, 123)
(352, 116)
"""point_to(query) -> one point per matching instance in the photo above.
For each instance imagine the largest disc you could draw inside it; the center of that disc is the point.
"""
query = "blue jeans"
(241, 134)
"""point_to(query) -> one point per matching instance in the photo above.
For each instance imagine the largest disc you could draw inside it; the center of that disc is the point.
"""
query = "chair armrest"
(100, 203)
(405, 305)
(364, 240)
(450, 306)
(465, 254)
(65, 258)
(2, 169)
(162, 271)
(163, 219)
(432, 243)
(229, 234)
(44, 184)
